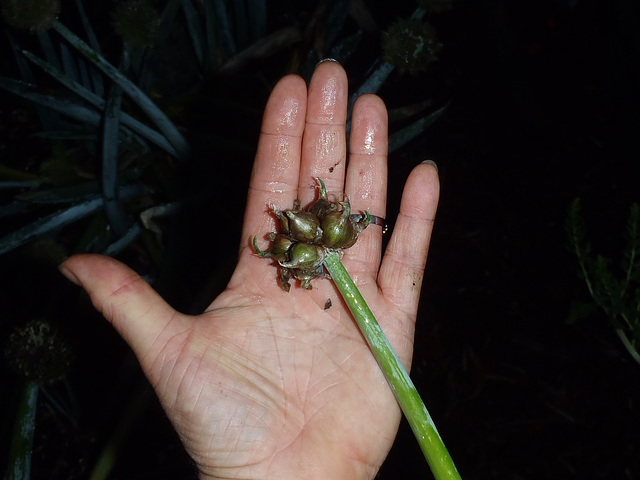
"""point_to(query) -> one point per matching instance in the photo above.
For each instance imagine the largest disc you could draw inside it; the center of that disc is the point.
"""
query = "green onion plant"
(408, 398)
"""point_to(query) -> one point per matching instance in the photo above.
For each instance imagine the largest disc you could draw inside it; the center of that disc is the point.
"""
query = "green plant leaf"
(58, 104)
(19, 464)
(59, 219)
(69, 66)
(607, 286)
(154, 113)
(217, 20)
(13, 208)
(344, 49)
(48, 119)
(90, 76)
(372, 84)
(336, 16)
(404, 136)
(379, 73)
(168, 16)
(95, 237)
(241, 24)
(70, 134)
(49, 51)
(10, 173)
(110, 141)
(78, 193)
(5, 185)
(194, 28)
(124, 241)
(88, 29)
(27, 91)
(631, 252)
(403, 113)
(257, 19)
(69, 108)
(263, 48)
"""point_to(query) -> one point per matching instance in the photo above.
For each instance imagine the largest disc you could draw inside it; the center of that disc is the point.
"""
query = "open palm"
(269, 384)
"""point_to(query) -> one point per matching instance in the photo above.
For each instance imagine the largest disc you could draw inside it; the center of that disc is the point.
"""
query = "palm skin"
(268, 384)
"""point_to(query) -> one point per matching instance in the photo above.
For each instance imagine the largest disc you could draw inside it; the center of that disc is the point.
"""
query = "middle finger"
(324, 144)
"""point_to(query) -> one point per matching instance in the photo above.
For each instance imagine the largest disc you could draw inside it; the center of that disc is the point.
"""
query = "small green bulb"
(341, 229)
(304, 226)
(279, 248)
(304, 256)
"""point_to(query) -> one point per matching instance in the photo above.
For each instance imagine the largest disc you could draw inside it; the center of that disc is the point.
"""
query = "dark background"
(543, 108)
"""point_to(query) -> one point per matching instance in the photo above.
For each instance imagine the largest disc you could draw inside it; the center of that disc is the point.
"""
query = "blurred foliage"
(411, 45)
(36, 351)
(137, 22)
(436, 6)
(617, 294)
(34, 15)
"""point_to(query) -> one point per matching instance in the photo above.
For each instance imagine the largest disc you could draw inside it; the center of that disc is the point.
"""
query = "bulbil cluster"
(301, 244)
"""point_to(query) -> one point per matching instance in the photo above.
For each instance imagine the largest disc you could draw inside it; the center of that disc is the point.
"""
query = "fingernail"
(431, 162)
(68, 274)
(328, 59)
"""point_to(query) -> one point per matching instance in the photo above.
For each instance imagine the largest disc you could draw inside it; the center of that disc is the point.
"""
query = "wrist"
(297, 470)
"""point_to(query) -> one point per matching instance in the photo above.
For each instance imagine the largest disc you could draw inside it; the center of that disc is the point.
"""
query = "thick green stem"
(405, 391)
(628, 345)
(19, 465)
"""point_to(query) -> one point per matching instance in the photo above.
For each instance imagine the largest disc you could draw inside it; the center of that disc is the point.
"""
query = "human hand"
(268, 384)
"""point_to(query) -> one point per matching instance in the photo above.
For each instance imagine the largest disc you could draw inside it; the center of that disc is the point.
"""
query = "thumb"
(127, 301)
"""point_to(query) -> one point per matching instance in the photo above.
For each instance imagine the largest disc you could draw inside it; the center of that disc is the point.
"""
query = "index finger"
(325, 145)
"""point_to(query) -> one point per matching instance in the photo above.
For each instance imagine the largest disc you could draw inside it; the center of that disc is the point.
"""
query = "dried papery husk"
(284, 276)
(322, 205)
(282, 220)
(305, 276)
(280, 247)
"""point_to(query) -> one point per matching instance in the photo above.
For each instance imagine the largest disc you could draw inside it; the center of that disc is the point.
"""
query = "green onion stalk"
(313, 239)
(408, 398)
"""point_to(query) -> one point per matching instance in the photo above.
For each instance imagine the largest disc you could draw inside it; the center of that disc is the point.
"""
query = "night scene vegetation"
(129, 128)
